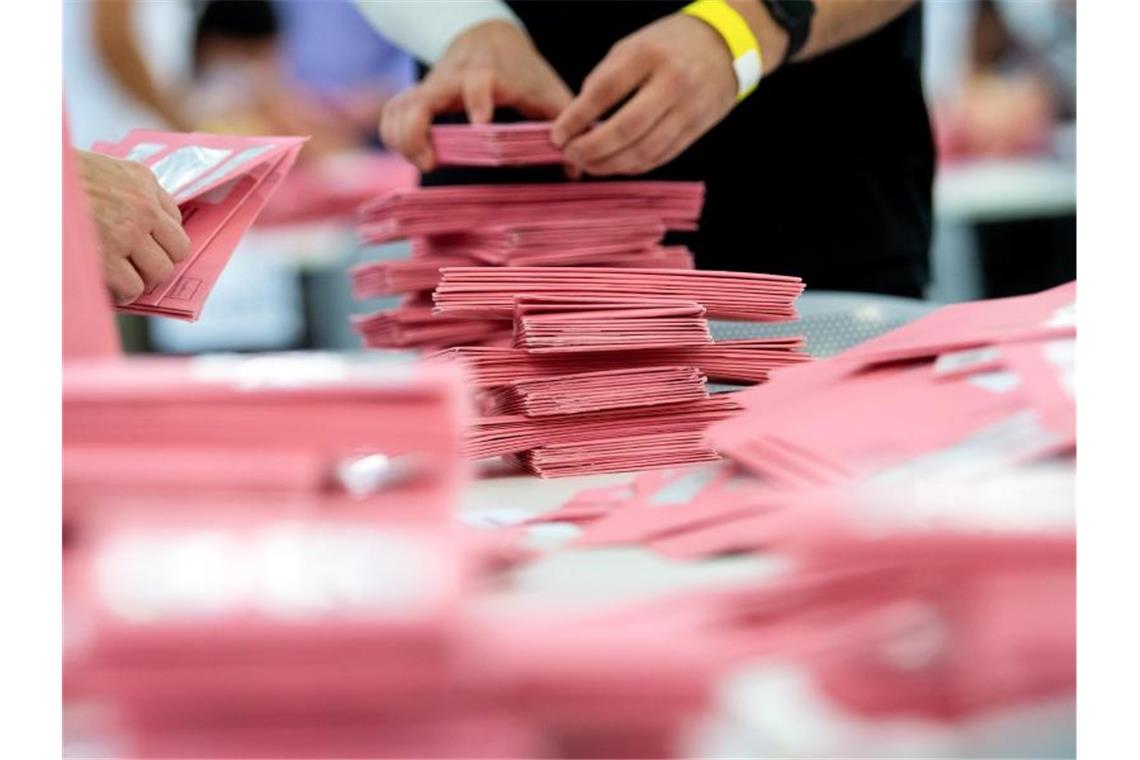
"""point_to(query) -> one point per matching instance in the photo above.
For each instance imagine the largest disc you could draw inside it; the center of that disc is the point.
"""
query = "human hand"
(680, 75)
(137, 224)
(491, 64)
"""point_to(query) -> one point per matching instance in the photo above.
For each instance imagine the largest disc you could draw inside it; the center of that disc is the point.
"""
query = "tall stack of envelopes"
(589, 335)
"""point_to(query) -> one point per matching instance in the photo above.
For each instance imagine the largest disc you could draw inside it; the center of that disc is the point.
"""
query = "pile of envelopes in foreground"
(220, 183)
(240, 581)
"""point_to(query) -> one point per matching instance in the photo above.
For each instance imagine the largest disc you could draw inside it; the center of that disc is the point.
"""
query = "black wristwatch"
(794, 16)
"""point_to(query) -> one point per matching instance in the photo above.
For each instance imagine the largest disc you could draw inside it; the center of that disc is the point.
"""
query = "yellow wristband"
(737, 35)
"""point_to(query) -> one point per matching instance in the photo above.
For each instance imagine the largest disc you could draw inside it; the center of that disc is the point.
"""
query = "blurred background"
(1000, 78)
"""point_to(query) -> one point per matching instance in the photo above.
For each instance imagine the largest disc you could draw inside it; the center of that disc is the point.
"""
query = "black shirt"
(825, 171)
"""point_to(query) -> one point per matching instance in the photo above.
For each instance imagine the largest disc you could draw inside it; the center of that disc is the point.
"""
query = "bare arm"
(115, 42)
(676, 76)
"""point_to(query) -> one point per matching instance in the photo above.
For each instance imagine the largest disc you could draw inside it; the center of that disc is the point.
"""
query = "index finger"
(615, 77)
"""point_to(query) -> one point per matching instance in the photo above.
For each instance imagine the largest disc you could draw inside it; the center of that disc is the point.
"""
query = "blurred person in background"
(126, 65)
(254, 67)
(239, 67)
(293, 67)
(825, 171)
(1002, 79)
(1013, 78)
(241, 87)
(356, 75)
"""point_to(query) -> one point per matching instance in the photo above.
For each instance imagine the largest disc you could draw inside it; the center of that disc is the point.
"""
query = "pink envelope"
(220, 183)
(520, 144)
(462, 208)
(747, 361)
(491, 292)
(1050, 313)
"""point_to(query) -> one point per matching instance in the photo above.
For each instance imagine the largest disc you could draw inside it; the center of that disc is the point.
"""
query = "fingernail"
(557, 138)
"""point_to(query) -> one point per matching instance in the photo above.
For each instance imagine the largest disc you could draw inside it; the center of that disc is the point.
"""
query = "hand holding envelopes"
(220, 184)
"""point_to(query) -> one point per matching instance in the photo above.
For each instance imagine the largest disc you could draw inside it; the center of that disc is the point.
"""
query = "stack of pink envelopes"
(609, 345)
(743, 362)
(414, 325)
(596, 391)
(291, 429)
(550, 325)
(614, 224)
(220, 183)
(315, 637)
(522, 144)
(462, 208)
(981, 385)
(421, 272)
(491, 292)
(623, 396)
(550, 242)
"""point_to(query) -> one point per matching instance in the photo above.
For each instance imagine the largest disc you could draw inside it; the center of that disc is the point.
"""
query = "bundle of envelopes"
(524, 143)
(296, 638)
(616, 414)
(743, 362)
(421, 272)
(461, 208)
(300, 429)
(556, 324)
(550, 242)
(895, 403)
(616, 224)
(610, 351)
(415, 325)
(220, 184)
(491, 292)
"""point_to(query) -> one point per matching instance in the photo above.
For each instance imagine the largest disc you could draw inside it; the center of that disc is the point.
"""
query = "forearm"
(835, 23)
(425, 29)
(115, 41)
